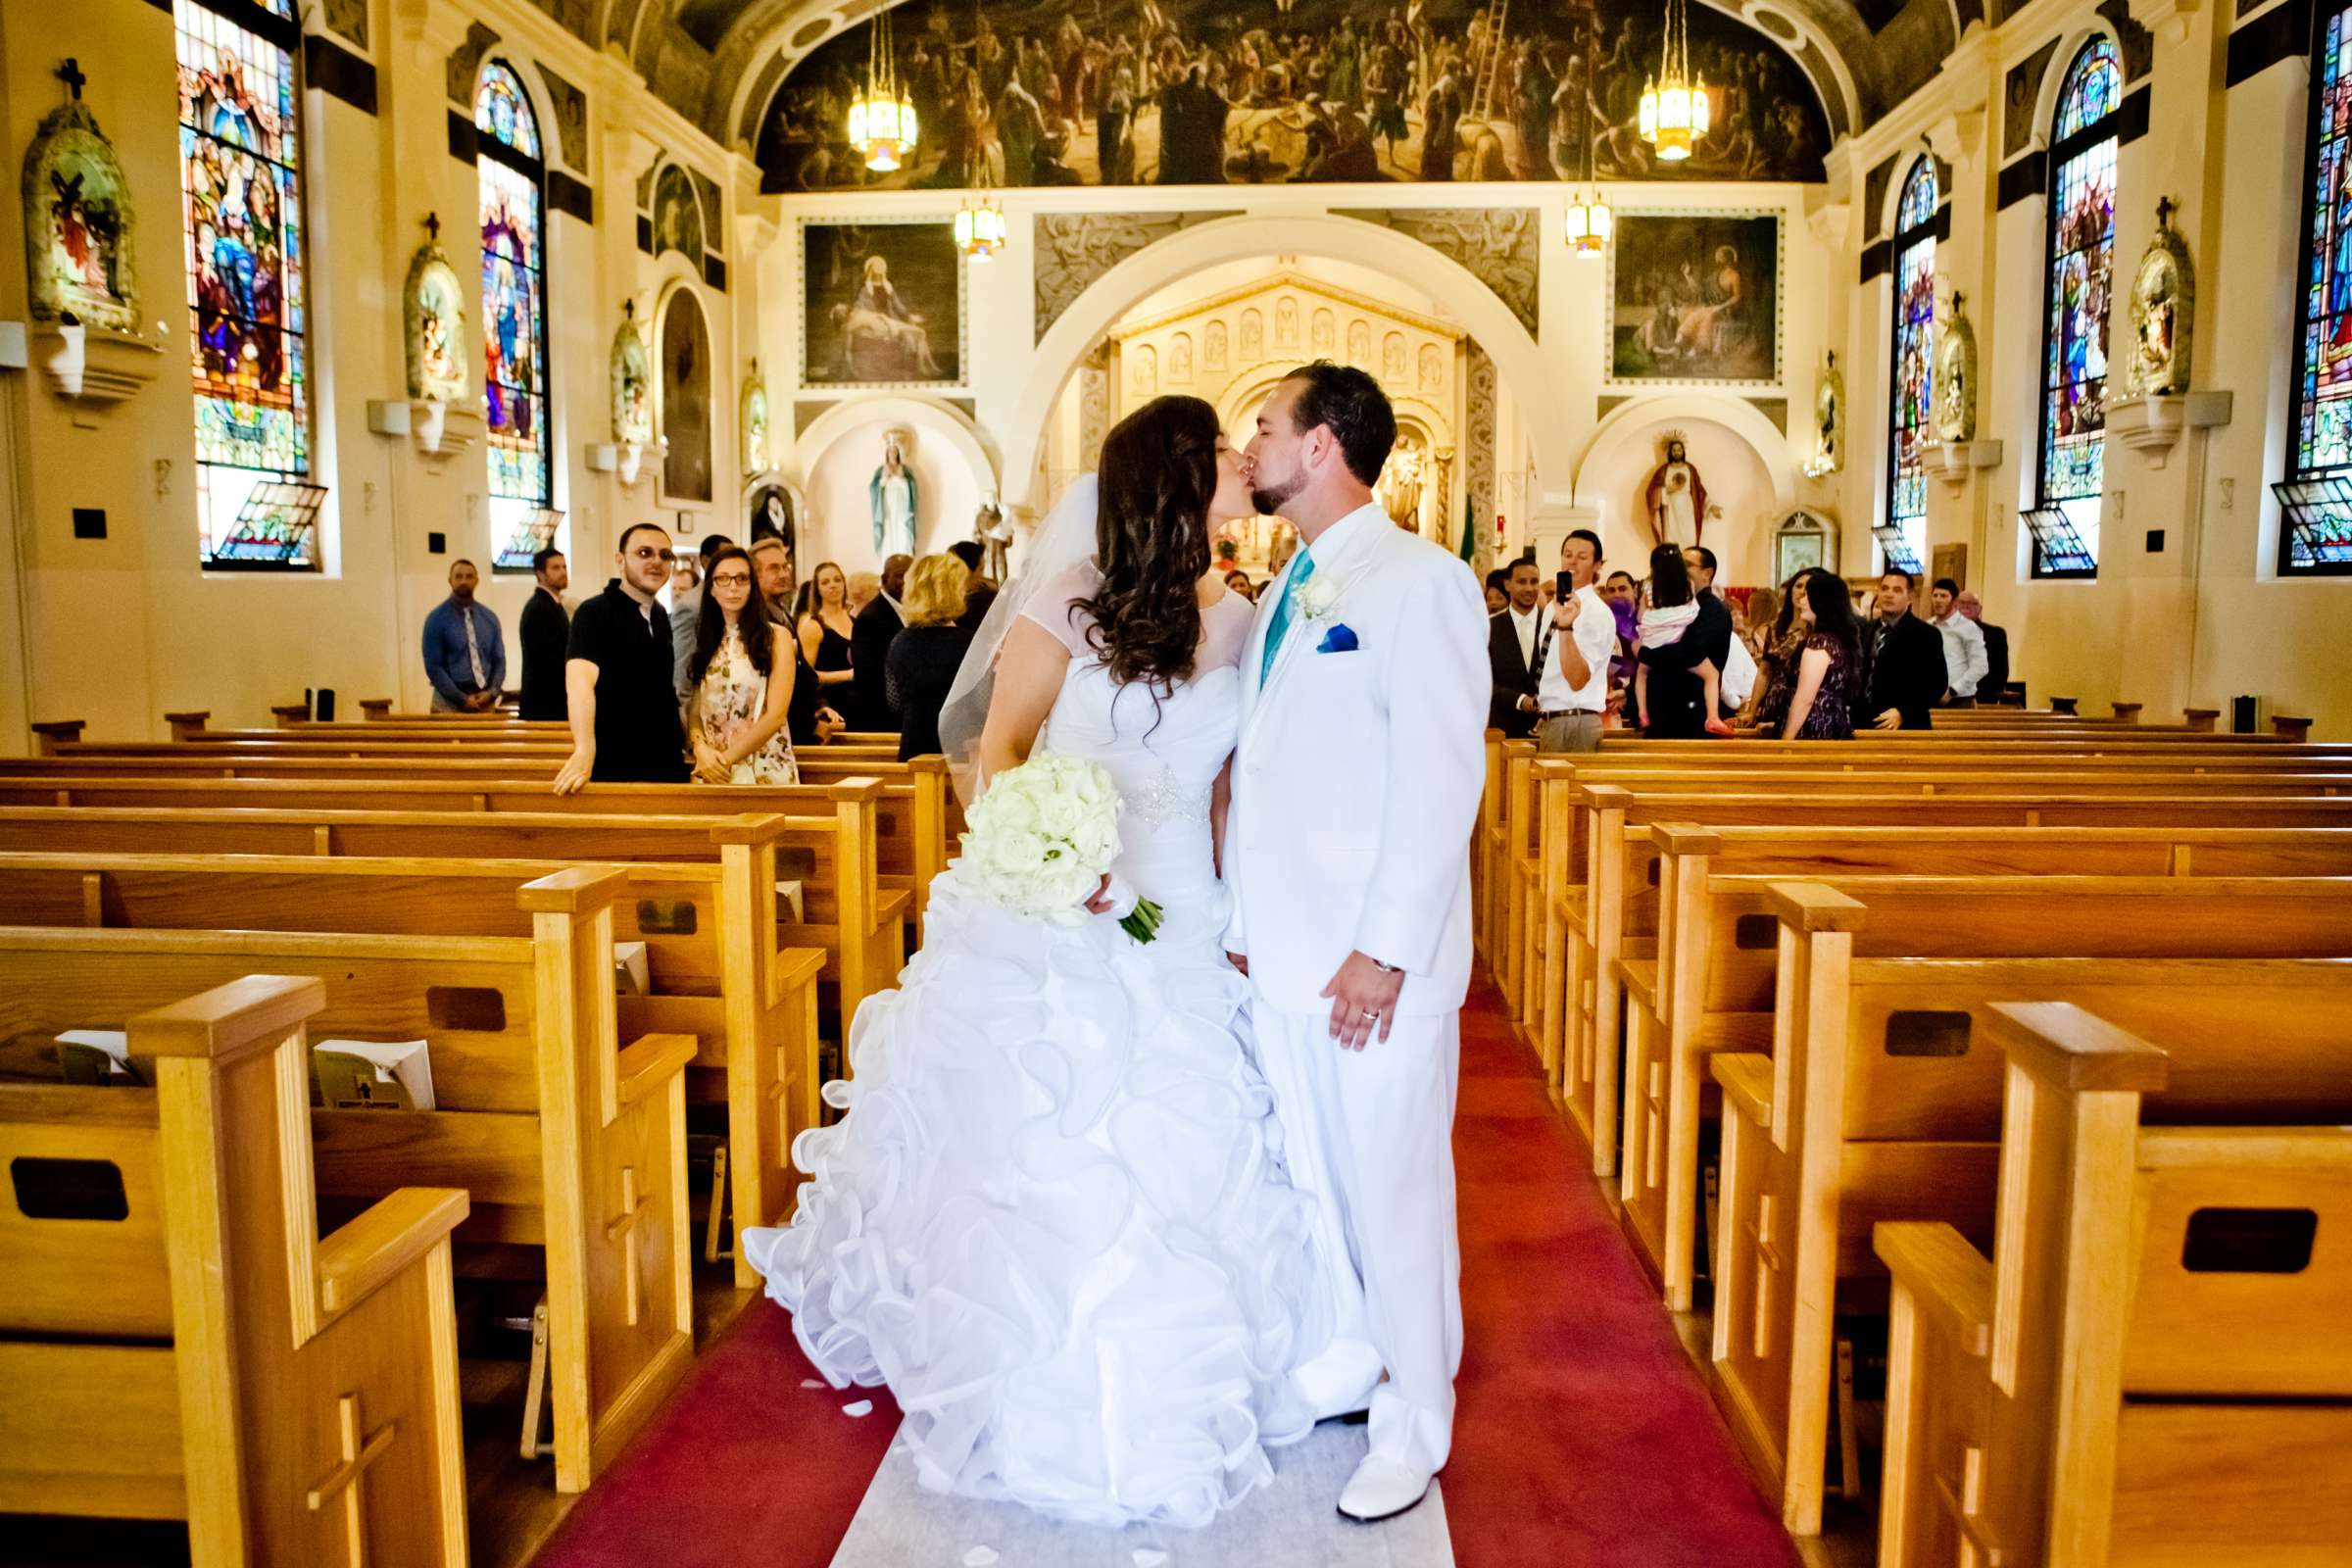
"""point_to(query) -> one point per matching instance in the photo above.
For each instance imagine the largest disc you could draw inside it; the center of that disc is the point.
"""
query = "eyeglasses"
(731, 579)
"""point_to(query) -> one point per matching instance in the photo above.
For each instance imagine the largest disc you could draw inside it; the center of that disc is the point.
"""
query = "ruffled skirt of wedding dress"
(1055, 1221)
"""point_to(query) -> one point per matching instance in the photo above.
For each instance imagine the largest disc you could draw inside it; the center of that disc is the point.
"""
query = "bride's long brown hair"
(1158, 475)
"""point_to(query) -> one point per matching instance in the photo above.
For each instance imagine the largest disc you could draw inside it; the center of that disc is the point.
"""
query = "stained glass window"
(240, 158)
(1913, 369)
(2074, 387)
(514, 317)
(2317, 536)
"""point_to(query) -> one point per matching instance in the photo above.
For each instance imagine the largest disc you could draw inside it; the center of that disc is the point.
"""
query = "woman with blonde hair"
(925, 656)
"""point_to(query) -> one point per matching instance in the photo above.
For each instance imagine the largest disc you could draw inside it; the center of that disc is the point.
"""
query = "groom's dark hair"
(1350, 402)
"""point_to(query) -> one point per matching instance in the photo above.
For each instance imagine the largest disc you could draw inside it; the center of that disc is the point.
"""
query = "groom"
(1354, 786)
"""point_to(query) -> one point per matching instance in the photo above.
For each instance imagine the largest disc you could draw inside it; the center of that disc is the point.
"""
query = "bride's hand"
(1102, 902)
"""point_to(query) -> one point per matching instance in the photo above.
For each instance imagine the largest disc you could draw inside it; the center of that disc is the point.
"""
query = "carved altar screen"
(240, 160)
(1912, 375)
(511, 178)
(2073, 397)
(2319, 540)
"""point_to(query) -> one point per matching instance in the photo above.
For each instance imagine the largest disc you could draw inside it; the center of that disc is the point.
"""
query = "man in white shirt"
(1965, 662)
(1574, 687)
(1512, 633)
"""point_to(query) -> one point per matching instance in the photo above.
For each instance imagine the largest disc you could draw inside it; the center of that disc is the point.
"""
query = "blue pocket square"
(1341, 639)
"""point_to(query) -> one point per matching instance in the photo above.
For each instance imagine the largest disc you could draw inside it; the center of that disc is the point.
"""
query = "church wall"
(2204, 616)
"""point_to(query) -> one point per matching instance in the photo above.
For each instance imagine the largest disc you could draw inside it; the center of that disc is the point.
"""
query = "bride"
(1054, 1217)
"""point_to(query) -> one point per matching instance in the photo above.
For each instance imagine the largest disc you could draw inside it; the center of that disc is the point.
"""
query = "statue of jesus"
(1675, 498)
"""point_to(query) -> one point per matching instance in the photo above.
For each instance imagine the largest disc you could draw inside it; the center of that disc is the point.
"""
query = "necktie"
(474, 650)
(1302, 570)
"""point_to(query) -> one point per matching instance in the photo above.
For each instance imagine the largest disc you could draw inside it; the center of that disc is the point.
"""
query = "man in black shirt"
(546, 634)
(876, 627)
(618, 676)
(978, 592)
(1906, 672)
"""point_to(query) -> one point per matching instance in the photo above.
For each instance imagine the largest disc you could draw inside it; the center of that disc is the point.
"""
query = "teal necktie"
(1303, 569)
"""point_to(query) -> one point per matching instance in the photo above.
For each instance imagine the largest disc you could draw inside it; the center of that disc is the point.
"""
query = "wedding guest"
(1783, 642)
(978, 592)
(1239, 581)
(1572, 698)
(1622, 596)
(1499, 590)
(824, 626)
(1686, 638)
(686, 610)
(619, 680)
(1738, 670)
(1763, 609)
(738, 716)
(1821, 699)
(925, 656)
(545, 628)
(812, 722)
(1903, 659)
(1965, 661)
(465, 653)
(877, 626)
(863, 585)
(1994, 687)
(1512, 635)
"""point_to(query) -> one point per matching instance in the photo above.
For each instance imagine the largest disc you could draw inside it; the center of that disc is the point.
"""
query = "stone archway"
(1111, 296)
(1748, 461)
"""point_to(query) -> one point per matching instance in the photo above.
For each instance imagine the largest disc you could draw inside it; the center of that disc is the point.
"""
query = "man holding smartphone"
(1573, 689)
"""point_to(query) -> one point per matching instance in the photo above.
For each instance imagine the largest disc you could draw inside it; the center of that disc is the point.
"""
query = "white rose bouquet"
(1043, 837)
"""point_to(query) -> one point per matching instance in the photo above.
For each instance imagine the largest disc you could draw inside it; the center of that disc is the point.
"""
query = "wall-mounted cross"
(71, 75)
(432, 227)
(1958, 299)
(2165, 208)
(343, 1481)
(633, 1214)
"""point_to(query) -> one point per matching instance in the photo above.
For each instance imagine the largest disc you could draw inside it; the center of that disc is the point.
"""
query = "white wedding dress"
(1054, 1218)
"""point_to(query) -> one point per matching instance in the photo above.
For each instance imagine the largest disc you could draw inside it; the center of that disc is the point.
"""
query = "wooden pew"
(859, 928)
(567, 1140)
(1608, 914)
(749, 1008)
(176, 1339)
(1712, 985)
(914, 812)
(2153, 1366)
(1881, 1100)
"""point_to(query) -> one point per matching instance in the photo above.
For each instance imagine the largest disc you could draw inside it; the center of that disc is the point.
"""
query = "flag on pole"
(1470, 531)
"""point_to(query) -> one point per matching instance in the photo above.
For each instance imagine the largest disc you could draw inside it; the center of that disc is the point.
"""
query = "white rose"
(1316, 596)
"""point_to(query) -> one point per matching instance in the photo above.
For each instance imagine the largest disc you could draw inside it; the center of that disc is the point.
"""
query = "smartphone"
(1565, 586)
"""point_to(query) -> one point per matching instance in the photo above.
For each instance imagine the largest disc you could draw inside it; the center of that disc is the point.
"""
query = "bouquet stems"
(1142, 923)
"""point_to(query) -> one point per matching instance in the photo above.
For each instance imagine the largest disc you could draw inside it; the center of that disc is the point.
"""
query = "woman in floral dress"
(1827, 671)
(742, 686)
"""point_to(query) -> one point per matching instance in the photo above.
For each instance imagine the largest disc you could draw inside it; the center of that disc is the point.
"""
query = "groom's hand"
(1240, 961)
(1362, 995)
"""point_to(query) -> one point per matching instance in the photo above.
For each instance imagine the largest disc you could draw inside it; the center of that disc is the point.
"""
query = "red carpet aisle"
(1584, 1438)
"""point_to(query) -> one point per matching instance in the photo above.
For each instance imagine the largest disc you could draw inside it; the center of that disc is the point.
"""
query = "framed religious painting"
(433, 327)
(78, 229)
(882, 304)
(1694, 297)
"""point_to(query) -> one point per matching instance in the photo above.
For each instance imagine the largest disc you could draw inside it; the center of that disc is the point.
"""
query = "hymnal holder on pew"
(374, 1075)
(97, 1057)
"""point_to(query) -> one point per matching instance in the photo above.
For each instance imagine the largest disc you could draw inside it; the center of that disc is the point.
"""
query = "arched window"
(513, 180)
(1911, 372)
(2316, 536)
(2074, 387)
(240, 181)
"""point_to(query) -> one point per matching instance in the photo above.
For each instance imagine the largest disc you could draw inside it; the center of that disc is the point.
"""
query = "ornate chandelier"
(980, 230)
(882, 118)
(1586, 223)
(1674, 103)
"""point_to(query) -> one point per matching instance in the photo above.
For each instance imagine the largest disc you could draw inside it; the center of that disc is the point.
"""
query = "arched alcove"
(835, 459)
(1742, 457)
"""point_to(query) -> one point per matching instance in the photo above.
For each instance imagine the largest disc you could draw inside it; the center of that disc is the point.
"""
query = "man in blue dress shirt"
(465, 653)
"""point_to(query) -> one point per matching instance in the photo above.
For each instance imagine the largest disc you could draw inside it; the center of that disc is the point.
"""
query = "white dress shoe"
(1382, 1488)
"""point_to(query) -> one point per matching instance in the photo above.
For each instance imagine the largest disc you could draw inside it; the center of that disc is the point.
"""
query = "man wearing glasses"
(618, 676)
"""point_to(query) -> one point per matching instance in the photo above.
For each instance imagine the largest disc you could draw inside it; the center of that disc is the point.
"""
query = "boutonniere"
(1317, 594)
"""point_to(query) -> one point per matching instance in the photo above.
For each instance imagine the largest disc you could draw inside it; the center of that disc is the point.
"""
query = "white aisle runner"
(1294, 1523)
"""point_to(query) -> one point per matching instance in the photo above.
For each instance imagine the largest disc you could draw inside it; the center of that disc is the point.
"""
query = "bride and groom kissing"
(1113, 1218)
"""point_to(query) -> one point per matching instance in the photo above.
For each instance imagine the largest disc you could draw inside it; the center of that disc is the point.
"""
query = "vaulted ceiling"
(718, 62)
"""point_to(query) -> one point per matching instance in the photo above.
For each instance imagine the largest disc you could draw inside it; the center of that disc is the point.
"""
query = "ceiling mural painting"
(1088, 92)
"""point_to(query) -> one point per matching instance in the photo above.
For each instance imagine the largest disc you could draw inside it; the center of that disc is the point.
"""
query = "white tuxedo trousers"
(1371, 1134)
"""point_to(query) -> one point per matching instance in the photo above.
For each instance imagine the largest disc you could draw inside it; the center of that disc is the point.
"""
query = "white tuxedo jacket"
(1356, 779)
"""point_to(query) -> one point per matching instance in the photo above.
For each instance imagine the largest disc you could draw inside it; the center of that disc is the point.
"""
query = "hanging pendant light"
(1587, 225)
(882, 126)
(1674, 102)
(980, 230)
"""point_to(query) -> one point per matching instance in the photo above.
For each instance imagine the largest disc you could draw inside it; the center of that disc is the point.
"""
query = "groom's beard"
(1269, 499)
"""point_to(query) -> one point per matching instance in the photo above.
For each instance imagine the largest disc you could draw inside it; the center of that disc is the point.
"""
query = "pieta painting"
(433, 310)
(884, 304)
(77, 224)
(632, 385)
(1695, 297)
(685, 400)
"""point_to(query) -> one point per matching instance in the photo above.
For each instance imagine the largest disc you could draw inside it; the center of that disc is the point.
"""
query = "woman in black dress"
(823, 623)
(925, 656)
(1826, 677)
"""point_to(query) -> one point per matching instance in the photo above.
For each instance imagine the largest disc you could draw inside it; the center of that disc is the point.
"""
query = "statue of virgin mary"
(890, 493)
